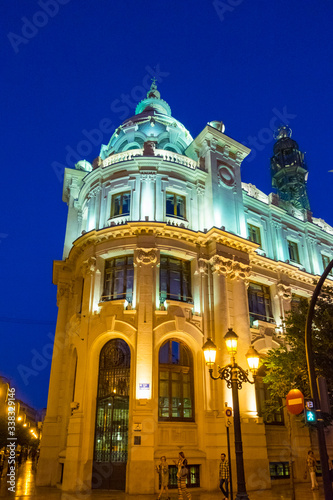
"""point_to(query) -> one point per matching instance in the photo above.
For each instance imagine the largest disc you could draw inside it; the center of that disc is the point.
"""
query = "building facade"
(165, 247)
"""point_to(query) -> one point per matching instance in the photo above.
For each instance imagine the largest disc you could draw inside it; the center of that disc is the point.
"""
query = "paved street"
(25, 488)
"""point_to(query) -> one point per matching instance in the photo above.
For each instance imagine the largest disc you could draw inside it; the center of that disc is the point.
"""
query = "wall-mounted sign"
(137, 440)
(144, 387)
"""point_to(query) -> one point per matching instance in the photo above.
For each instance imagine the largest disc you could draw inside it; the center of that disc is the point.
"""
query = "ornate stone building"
(164, 248)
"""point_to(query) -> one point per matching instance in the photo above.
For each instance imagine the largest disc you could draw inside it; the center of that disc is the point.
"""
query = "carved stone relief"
(283, 291)
(63, 291)
(88, 266)
(146, 256)
(230, 268)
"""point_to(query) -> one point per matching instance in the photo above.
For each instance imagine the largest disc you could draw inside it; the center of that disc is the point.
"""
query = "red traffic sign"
(295, 401)
(228, 416)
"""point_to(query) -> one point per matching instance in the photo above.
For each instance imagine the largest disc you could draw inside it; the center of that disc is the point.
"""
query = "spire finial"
(282, 131)
(153, 92)
(153, 85)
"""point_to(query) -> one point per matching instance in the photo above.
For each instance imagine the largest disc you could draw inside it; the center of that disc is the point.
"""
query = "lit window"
(254, 234)
(192, 479)
(175, 279)
(118, 281)
(259, 303)
(279, 470)
(175, 205)
(175, 401)
(293, 251)
(121, 204)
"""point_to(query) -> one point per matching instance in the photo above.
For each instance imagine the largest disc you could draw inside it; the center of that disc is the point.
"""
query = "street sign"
(295, 401)
(228, 416)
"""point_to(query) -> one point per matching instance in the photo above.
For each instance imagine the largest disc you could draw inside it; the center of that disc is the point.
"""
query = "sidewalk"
(26, 489)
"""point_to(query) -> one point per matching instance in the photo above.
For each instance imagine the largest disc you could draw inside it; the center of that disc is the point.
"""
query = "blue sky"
(74, 66)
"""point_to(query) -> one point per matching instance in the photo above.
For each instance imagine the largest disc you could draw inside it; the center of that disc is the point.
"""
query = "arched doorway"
(111, 431)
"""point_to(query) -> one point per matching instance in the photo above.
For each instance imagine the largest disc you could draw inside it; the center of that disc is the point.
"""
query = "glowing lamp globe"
(209, 349)
(253, 359)
(231, 339)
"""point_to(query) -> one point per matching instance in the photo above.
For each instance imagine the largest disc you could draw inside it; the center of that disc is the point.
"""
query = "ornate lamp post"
(313, 385)
(234, 375)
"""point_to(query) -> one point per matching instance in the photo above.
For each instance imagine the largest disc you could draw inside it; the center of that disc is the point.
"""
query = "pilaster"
(142, 455)
(49, 469)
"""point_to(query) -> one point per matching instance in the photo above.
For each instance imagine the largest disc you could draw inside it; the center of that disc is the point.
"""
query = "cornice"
(280, 267)
(161, 230)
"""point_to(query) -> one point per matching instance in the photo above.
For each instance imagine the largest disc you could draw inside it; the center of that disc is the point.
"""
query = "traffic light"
(310, 412)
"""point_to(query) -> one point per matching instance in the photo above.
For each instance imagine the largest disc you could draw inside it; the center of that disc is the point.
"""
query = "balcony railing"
(255, 317)
(169, 156)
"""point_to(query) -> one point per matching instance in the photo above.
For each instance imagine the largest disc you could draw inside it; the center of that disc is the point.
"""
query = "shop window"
(118, 279)
(293, 251)
(175, 279)
(279, 470)
(192, 480)
(121, 204)
(254, 234)
(175, 205)
(260, 307)
(176, 395)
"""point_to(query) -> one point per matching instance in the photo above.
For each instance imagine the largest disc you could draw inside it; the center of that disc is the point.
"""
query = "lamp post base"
(242, 496)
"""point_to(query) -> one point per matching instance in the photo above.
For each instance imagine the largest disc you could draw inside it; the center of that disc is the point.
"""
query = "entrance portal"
(111, 432)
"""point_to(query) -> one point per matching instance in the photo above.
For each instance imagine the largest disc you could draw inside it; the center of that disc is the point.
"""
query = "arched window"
(112, 413)
(176, 395)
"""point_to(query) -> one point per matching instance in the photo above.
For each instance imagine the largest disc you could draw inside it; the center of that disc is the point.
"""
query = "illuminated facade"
(164, 248)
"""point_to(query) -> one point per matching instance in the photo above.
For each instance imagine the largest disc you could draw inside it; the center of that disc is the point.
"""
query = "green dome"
(152, 122)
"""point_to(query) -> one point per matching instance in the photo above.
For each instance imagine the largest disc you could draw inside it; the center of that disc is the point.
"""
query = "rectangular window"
(121, 204)
(118, 279)
(293, 251)
(192, 480)
(175, 205)
(271, 416)
(295, 302)
(175, 279)
(326, 260)
(254, 234)
(259, 303)
(279, 470)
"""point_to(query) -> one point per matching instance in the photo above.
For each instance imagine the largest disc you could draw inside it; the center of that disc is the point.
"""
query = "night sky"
(74, 64)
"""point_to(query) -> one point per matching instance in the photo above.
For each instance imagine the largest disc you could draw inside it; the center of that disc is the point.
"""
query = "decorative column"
(283, 293)
(91, 223)
(204, 302)
(91, 289)
(277, 243)
(219, 269)
(54, 427)
(72, 475)
(239, 274)
(72, 227)
(98, 201)
(148, 195)
(314, 254)
(199, 222)
(141, 464)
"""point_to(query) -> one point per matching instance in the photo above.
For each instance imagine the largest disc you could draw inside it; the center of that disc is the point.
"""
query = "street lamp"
(234, 375)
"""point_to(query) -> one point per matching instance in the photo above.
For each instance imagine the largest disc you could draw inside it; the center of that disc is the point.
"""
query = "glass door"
(111, 431)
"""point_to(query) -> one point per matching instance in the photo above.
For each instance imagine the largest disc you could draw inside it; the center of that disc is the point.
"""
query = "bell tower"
(288, 170)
